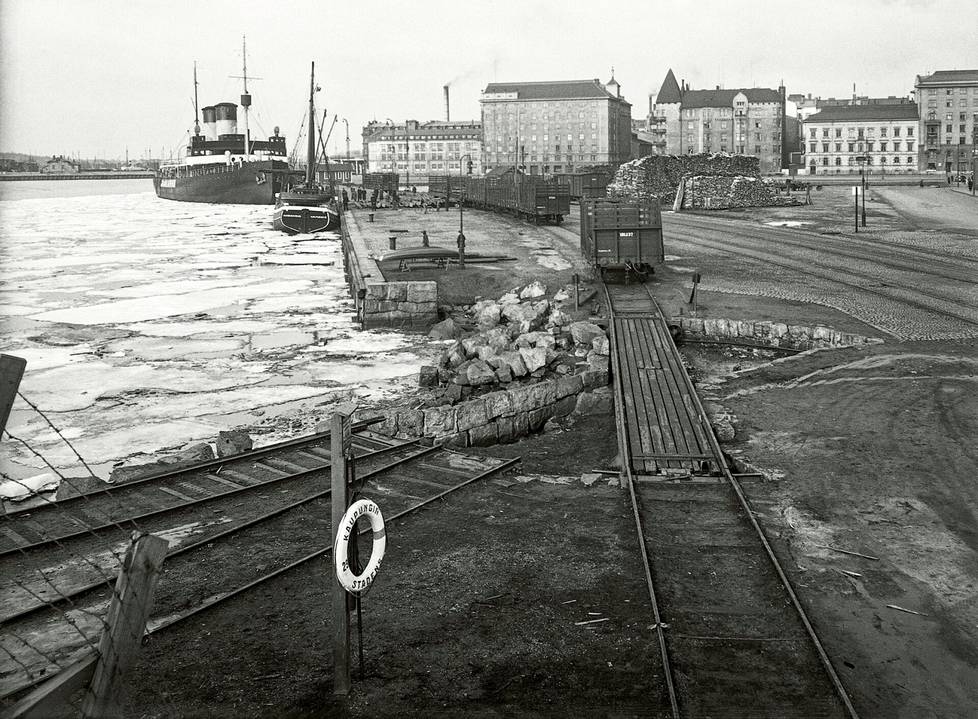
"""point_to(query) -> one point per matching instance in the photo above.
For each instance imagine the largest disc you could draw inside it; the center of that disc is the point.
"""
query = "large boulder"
(525, 316)
(585, 332)
(478, 373)
(535, 339)
(445, 330)
(194, 454)
(600, 401)
(233, 442)
(558, 318)
(514, 360)
(601, 345)
(533, 290)
(453, 356)
(428, 376)
(486, 314)
(533, 357)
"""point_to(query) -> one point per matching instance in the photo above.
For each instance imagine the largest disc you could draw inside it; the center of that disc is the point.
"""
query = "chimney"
(448, 116)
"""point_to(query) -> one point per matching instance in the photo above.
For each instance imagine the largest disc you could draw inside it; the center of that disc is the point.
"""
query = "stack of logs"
(715, 192)
(659, 176)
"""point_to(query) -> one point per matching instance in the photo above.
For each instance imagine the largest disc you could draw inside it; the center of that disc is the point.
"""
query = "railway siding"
(733, 636)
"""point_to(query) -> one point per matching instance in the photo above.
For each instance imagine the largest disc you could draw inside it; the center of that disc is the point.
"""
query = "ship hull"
(296, 219)
(253, 183)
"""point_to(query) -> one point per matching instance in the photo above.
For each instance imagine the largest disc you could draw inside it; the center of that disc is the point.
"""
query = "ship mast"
(245, 97)
(311, 149)
(196, 113)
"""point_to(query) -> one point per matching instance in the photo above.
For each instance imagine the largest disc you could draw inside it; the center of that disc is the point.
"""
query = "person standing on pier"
(346, 200)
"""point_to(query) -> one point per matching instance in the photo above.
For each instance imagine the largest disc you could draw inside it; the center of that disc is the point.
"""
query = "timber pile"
(659, 176)
(722, 193)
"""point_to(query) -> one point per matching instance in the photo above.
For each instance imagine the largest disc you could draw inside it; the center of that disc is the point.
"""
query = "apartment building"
(881, 138)
(948, 125)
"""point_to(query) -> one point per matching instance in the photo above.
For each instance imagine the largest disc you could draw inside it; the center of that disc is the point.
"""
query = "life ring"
(359, 583)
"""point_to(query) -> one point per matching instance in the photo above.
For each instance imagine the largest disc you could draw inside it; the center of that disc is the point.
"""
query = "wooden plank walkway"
(665, 430)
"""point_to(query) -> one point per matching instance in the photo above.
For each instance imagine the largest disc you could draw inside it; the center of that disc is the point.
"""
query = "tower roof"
(669, 92)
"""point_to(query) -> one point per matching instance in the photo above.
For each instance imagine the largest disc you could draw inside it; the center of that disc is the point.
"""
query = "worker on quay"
(346, 200)
(424, 238)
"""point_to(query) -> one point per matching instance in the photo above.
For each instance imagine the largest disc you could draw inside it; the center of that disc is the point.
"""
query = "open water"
(150, 324)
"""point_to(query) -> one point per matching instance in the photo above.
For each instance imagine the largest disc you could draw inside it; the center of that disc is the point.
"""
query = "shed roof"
(906, 111)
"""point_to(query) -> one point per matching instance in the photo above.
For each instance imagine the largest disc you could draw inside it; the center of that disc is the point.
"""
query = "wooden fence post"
(126, 624)
(339, 434)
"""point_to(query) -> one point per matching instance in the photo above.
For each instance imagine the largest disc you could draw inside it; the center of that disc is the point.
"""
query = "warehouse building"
(416, 150)
(883, 135)
(948, 101)
(744, 121)
(555, 127)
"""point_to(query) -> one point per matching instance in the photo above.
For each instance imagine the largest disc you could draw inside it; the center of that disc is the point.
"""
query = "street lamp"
(861, 159)
(461, 207)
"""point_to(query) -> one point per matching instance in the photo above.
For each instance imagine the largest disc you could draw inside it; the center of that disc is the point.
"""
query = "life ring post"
(339, 430)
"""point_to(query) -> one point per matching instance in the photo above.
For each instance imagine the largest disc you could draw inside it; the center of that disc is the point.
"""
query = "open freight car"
(622, 236)
(385, 181)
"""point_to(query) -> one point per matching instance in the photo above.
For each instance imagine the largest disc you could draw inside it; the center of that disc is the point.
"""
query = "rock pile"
(519, 336)
(659, 176)
(514, 363)
(721, 192)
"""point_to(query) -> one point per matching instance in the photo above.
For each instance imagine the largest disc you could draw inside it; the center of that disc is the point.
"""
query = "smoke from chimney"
(448, 116)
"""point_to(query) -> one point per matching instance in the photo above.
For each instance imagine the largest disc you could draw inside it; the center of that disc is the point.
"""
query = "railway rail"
(232, 542)
(733, 635)
(945, 301)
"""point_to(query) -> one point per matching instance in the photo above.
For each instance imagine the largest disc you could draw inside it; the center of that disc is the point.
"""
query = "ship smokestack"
(210, 122)
(227, 118)
(448, 116)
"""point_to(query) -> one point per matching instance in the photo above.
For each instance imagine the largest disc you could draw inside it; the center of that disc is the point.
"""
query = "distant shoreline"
(125, 175)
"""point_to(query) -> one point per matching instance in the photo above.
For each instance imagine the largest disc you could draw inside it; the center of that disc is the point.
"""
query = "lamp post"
(461, 207)
(861, 159)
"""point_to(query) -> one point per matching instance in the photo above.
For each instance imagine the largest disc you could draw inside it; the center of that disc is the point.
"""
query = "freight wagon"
(622, 236)
(589, 184)
(385, 181)
(526, 196)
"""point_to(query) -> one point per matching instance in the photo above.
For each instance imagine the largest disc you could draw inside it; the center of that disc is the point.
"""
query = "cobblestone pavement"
(912, 286)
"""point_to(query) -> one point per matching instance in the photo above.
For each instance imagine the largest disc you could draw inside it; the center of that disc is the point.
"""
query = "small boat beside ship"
(308, 206)
(221, 164)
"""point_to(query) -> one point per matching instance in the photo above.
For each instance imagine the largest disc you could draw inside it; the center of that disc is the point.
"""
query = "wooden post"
(130, 608)
(339, 427)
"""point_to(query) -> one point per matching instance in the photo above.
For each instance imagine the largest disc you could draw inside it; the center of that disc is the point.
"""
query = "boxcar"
(622, 235)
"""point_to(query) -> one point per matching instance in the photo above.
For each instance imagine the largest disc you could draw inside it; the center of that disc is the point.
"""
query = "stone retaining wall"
(501, 416)
(385, 304)
(770, 334)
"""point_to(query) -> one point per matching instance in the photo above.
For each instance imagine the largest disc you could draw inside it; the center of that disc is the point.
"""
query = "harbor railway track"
(891, 277)
(54, 595)
(733, 636)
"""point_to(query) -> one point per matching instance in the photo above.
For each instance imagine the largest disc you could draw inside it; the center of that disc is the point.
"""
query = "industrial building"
(555, 127)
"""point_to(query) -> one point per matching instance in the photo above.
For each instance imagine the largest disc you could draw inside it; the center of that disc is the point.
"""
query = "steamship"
(222, 165)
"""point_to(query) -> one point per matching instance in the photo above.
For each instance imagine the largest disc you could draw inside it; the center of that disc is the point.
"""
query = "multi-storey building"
(416, 150)
(841, 139)
(549, 127)
(745, 121)
(948, 101)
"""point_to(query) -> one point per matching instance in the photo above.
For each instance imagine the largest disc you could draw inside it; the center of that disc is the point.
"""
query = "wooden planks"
(664, 428)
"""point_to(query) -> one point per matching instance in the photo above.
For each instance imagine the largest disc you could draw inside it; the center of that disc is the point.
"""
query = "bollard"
(361, 307)
(370, 217)
(393, 242)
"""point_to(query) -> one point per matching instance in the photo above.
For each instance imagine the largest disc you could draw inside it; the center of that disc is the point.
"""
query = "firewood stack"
(712, 192)
(659, 176)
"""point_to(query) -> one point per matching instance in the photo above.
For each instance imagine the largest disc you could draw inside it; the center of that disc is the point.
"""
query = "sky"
(95, 78)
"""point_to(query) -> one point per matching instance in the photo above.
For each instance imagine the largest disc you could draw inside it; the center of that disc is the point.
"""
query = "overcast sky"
(93, 77)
